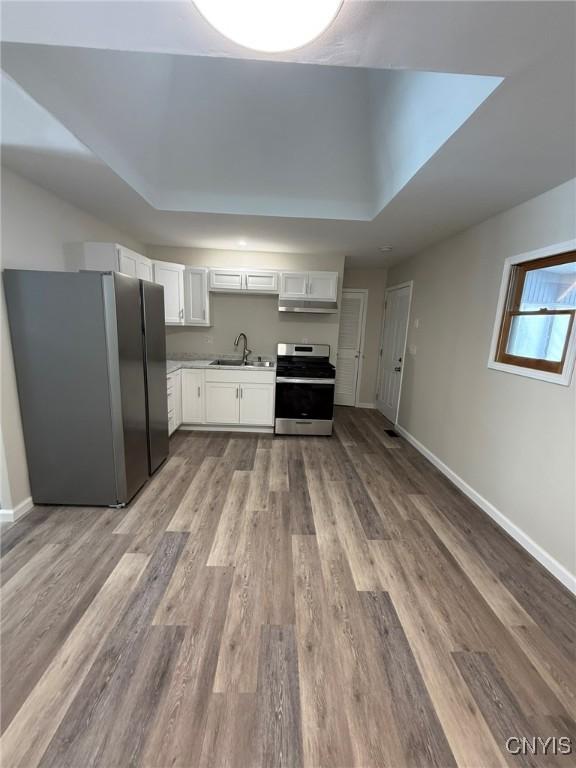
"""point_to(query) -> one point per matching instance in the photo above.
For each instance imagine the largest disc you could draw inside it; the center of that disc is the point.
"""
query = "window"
(536, 318)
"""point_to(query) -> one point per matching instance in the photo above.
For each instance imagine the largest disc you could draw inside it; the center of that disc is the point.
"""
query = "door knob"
(398, 369)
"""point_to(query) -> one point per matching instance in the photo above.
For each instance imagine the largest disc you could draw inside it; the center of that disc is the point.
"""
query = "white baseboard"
(224, 428)
(365, 405)
(11, 515)
(551, 564)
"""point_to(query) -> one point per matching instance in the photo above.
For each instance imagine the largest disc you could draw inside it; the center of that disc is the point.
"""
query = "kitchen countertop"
(176, 365)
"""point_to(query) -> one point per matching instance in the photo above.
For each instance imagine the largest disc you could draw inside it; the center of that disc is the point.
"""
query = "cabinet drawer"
(241, 377)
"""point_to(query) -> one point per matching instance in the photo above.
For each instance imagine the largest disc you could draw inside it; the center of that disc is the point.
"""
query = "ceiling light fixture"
(385, 248)
(270, 26)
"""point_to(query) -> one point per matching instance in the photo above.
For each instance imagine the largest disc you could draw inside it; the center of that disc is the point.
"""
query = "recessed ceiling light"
(270, 26)
(385, 248)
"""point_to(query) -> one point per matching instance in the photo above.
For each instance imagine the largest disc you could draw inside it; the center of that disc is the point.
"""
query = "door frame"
(363, 291)
(408, 284)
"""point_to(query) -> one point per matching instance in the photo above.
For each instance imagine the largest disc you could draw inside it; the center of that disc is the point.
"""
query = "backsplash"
(257, 317)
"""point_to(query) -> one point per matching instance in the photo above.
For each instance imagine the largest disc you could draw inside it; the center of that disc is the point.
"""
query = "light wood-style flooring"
(281, 602)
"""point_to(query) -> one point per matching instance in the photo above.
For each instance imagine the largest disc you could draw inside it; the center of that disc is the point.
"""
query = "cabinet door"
(261, 282)
(257, 404)
(222, 402)
(196, 300)
(323, 286)
(127, 261)
(226, 280)
(102, 257)
(172, 397)
(192, 396)
(144, 268)
(171, 276)
(293, 285)
(178, 397)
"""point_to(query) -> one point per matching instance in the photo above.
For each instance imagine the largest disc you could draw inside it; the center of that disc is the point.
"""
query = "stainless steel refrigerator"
(90, 359)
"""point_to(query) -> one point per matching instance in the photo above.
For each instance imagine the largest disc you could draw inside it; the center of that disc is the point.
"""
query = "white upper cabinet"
(171, 276)
(111, 257)
(260, 281)
(323, 286)
(249, 280)
(196, 296)
(144, 270)
(127, 262)
(226, 280)
(293, 285)
(312, 286)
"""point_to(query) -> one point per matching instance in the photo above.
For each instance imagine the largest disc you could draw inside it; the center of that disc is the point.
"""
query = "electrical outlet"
(417, 323)
(208, 339)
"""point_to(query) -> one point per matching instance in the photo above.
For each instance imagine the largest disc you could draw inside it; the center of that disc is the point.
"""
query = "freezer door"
(57, 324)
(155, 362)
(127, 381)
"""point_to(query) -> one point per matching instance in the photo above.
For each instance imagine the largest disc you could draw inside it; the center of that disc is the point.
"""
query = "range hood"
(301, 305)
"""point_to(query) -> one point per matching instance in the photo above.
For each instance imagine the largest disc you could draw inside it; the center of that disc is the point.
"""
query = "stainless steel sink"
(241, 363)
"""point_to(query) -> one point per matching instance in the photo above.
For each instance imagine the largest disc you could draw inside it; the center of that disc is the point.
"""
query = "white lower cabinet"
(174, 395)
(257, 404)
(205, 396)
(222, 402)
(192, 396)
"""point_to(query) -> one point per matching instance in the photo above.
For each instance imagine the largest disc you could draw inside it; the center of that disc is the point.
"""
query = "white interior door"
(350, 343)
(393, 350)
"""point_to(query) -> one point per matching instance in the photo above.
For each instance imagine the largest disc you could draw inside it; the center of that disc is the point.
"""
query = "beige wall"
(257, 316)
(509, 437)
(374, 280)
(39, 230)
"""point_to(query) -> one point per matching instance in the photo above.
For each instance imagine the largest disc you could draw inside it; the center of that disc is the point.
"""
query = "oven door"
(305, 400)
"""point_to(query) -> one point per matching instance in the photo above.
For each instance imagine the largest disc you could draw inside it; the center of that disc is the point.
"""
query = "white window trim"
(554, 378)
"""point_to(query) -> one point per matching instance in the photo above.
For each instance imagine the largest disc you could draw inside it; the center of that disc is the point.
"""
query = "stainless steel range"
(304, 390)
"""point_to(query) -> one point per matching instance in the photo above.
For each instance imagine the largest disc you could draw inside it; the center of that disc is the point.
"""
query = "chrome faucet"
(247, 352)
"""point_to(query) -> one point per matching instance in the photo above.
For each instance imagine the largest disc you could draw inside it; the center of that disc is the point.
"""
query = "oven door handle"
(286, 380)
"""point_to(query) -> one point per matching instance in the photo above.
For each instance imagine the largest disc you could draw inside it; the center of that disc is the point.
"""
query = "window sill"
(553, 378)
